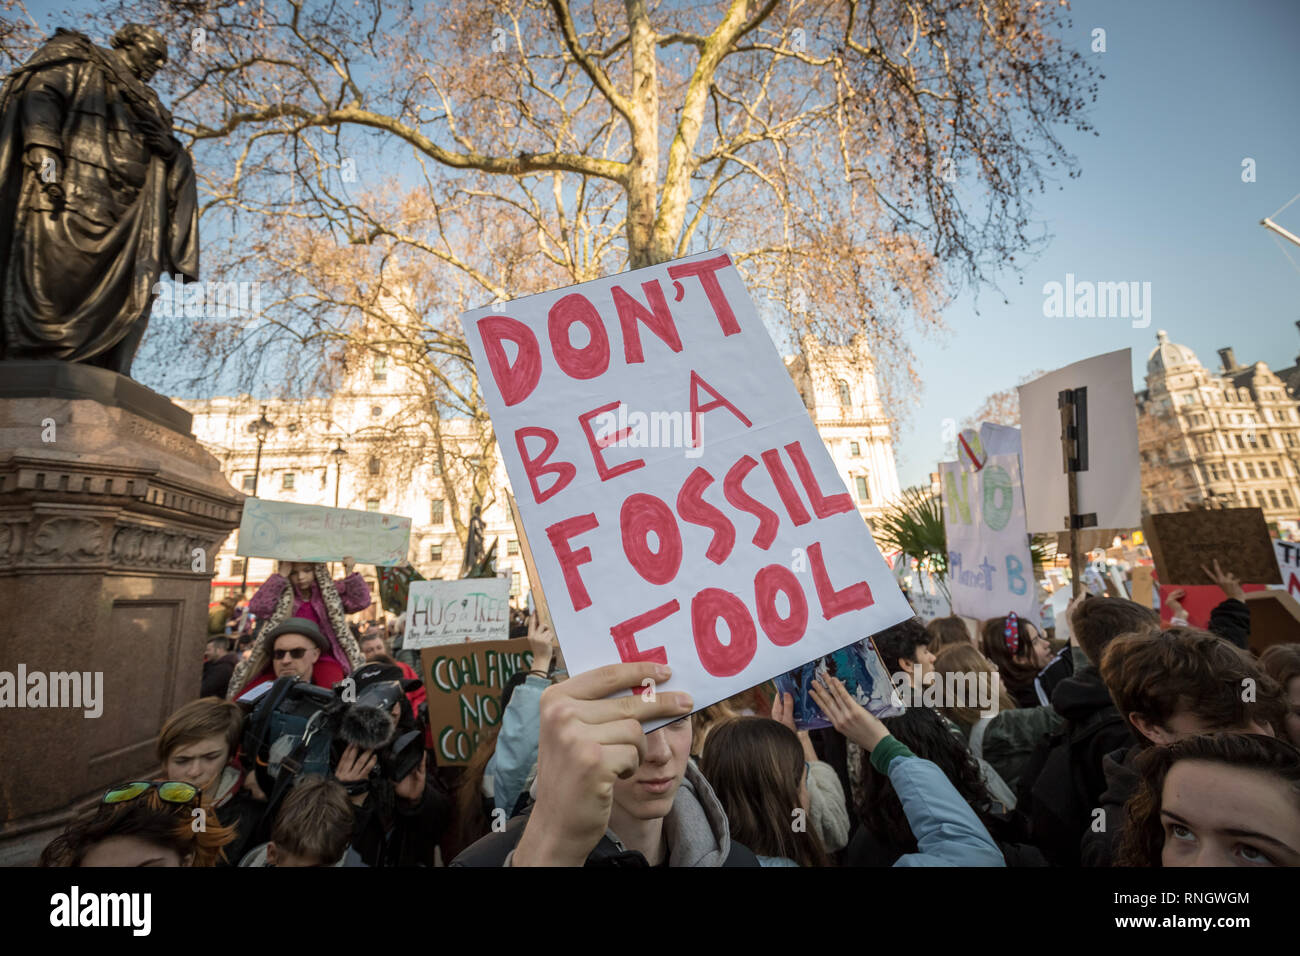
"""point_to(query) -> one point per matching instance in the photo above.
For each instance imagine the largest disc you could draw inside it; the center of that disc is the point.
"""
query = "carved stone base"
(109, 525)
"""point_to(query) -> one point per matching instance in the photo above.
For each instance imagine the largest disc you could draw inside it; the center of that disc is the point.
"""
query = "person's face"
(1185, 724)
(132, 851)
(146, 58)
(649, 793)
(199, 763)
(1293, 715)
(286, 665)
(1215, 815)
(372, 646)
(1040, 647)
(301, 577)
(211, 652)
(923, 660)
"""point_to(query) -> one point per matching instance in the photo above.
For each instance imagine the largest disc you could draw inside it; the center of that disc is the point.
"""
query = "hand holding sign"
(585, 745)
(540, 637)
(846, 715)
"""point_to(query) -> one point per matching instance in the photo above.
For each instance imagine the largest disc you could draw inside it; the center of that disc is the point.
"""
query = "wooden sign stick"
(534, 582)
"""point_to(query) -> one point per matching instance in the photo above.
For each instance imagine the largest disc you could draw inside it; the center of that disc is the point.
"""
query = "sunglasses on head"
(295, 652)
(170, 791)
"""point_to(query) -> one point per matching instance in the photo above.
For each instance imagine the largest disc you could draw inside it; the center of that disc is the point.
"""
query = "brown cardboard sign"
(1184, 541)
(464, 683)
(1142, 590)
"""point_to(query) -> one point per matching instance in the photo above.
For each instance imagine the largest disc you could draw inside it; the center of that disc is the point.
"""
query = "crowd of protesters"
(1121, 742)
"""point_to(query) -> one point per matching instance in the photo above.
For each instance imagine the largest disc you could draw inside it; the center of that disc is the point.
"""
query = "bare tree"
(455, 153)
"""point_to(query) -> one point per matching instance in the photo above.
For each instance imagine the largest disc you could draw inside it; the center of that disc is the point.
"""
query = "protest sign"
(990, 571)
(1142, 592)
(1109, 481)
(1288, 566)
(681, 505)
(453, 612)
(464, 684)
(1183, 543)
(1198, 601)
(294, 532)
(863, 674)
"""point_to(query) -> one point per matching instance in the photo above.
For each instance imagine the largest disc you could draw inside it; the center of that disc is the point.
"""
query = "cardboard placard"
(464, 683)
(1288, 566)
(1109, 488)
(1142, 585)
(1184, 541)
(990, 570)
(680, 504)
(453, 612)
(294, 532)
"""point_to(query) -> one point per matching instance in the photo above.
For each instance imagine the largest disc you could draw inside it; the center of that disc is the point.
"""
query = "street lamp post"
(262, 428)
(339, 454)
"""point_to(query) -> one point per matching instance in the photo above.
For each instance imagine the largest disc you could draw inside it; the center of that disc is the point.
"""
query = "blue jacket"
(947, 831)
(511, 765)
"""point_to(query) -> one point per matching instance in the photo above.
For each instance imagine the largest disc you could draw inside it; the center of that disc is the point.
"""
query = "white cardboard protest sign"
(990, 571)
(453, 612)
(1288, 564)
(294, 532)
(1111, 485)
(680, 504)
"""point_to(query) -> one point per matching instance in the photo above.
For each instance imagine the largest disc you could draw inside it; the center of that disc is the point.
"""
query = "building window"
(436, 511)
(1286, 498)
(374, 465)
(1277, 470)
(437, 468)
(372, 504)
(435, 551)
(864, 492)
(379, 370)
(236, 567)
(1250, 469)
(1259, 498)
(1240, 444)
(1263, 440)
(846, 400)
(1290, 439)
(512, 547)
(287, 480)
(1272, 497)
(855, 449)
(516, 581)
(250, 482)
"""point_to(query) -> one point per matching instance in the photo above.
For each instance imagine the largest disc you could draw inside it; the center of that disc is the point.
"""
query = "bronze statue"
(473, 542)
(97, 200)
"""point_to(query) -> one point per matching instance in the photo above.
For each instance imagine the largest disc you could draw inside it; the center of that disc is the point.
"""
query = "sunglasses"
(295, 652)
(171, 791)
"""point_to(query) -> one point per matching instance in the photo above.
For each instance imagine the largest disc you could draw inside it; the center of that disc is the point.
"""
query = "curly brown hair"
(147, 818)
(1157, 673)
(1143, 840)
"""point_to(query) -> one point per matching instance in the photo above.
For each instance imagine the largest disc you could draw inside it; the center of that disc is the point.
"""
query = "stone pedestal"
(110, 516)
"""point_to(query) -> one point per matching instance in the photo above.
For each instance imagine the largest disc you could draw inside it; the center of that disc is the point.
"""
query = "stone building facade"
(1228, 438)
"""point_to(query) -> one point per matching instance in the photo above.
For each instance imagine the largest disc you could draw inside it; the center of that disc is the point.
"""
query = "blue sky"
(1191, 89)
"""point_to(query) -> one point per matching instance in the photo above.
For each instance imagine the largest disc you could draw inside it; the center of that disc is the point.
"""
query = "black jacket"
(216, 676)
(1065, 786)
(405, 835)
(1122, 781)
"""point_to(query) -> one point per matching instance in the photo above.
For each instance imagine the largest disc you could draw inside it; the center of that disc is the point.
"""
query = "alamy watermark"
(79, 690)
(1075, 299)
(179, 299)
(658, 429)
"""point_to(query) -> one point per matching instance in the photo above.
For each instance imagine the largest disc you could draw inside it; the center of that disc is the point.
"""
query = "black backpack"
(1060, 787)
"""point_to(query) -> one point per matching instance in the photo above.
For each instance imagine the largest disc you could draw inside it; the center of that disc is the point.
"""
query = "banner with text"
(681, 506)
(464, 683)
(294, 532)
(990, 571)
(453, 612)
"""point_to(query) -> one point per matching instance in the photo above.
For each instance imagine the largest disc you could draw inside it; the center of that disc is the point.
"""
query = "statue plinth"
(110, 521)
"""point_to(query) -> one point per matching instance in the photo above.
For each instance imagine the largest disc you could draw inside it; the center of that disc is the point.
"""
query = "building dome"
(1169, 355)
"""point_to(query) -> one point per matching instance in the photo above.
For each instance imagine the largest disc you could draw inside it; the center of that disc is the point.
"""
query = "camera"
(305, 729)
